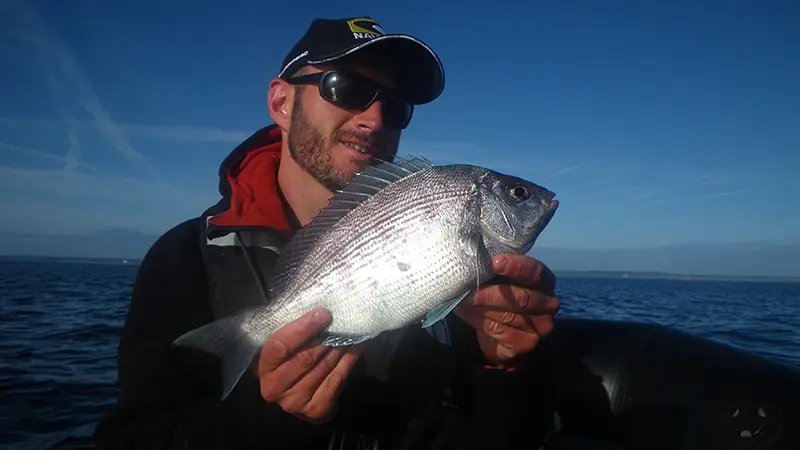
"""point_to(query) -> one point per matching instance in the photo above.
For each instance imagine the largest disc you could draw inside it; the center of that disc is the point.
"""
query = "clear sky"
(655, 122)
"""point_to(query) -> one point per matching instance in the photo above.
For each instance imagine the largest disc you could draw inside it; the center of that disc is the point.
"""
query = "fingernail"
(319, 316)
(501, 263)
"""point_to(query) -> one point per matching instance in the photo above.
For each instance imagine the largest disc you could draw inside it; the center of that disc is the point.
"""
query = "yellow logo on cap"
(364, 28)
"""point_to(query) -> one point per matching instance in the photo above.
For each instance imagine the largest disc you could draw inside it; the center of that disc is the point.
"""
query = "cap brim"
(419, 69)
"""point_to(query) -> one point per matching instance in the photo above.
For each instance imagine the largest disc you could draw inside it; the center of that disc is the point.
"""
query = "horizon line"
(565, 273)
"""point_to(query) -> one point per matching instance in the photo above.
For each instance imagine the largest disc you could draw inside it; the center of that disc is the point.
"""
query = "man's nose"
(371, 119)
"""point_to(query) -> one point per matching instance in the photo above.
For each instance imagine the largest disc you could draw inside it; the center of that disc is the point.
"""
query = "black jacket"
(438, 396)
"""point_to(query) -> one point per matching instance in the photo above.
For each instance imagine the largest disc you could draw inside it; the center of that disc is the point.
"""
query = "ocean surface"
(59, 324)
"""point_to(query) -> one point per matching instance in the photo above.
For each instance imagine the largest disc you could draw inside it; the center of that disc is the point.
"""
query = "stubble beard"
(312, 152)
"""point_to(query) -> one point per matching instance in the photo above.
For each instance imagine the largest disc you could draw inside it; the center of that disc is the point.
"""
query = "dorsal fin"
(362, 186)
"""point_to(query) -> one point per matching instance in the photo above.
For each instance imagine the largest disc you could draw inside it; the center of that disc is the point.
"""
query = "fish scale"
(354, 285)
(380, 222)
(402, 243)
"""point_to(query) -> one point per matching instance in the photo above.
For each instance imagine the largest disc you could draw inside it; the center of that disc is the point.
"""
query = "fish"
(403, 243)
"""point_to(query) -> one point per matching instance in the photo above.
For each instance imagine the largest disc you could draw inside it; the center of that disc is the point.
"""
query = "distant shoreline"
(611, 274)
(671, 276)
(70, 260)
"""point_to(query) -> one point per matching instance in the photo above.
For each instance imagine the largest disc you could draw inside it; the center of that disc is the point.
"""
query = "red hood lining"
(251, 173)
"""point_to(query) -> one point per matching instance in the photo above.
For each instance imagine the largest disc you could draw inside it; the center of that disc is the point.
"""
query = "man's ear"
(279, 102)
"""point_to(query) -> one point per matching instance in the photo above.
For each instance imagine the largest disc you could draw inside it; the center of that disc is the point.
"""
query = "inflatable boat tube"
(622, 385)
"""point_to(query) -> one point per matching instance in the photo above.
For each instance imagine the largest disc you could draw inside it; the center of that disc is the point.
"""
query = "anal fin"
(338, 340)
(440, 312)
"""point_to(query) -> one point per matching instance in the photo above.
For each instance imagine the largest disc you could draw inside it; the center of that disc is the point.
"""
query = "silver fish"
(404, 242)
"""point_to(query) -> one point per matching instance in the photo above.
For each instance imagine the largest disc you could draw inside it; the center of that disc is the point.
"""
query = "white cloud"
(71, 161)
(178, 133)
(82, 194)
(68, 81)
(50, 200)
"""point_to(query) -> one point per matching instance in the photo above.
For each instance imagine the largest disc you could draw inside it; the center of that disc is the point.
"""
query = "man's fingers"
(507, 318)
(515, 329)
(296, 398)
(288, 340)
(324, 400)
(275, 383)
(514, 298)
(525, 271)
(504, 353)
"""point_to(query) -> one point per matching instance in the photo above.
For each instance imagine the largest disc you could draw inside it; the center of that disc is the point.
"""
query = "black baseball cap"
(418, 69)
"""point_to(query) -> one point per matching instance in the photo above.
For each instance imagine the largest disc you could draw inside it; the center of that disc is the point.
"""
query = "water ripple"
(60, 324)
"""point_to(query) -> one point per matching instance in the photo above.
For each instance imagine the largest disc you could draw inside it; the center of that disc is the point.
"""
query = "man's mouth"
(357, 147)
(363, 147)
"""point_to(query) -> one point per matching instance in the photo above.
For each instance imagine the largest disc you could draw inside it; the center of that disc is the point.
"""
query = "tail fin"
(229, 339)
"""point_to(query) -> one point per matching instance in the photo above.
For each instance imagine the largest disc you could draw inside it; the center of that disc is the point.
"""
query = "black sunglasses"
(352, 91)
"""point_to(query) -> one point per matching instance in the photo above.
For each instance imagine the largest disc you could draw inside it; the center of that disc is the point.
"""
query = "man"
(344, 94)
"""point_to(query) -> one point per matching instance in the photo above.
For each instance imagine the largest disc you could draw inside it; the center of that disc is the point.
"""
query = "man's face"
(321, 135)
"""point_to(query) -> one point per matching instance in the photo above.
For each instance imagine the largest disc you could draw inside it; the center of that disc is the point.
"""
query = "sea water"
(60, 322)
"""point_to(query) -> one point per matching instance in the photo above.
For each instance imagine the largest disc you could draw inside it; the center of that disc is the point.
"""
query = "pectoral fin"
(471, 243)
(440, 312)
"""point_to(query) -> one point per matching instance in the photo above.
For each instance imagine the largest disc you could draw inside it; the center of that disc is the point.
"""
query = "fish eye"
(518, 191)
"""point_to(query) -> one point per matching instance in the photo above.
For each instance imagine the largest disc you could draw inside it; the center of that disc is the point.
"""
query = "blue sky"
(655, 122)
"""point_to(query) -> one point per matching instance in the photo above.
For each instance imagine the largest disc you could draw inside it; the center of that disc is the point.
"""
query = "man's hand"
(513, 312)
(303, 376)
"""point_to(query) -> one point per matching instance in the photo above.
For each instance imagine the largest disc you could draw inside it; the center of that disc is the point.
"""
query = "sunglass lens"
(397, 113)
(347, 91)
(355, 92)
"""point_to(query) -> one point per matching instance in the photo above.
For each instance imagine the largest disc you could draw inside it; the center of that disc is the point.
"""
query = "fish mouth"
(547, 216)
(550, 204)
(548, 197)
